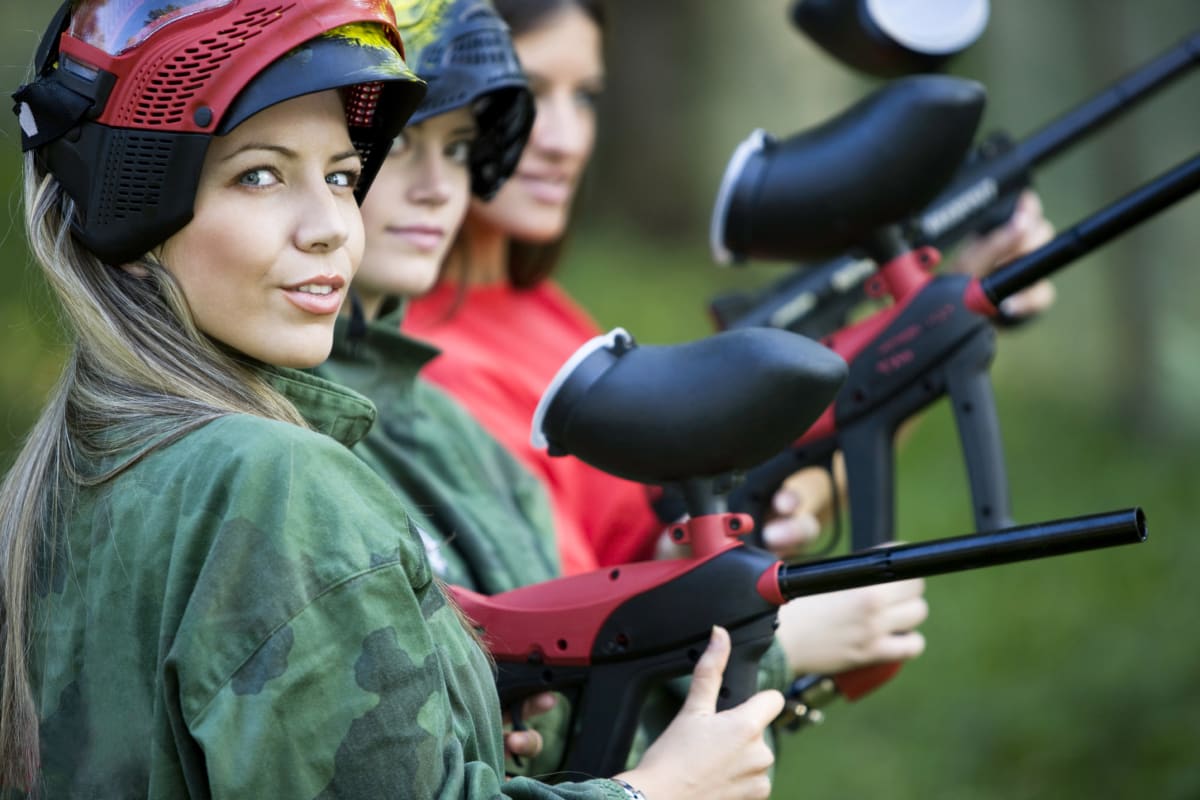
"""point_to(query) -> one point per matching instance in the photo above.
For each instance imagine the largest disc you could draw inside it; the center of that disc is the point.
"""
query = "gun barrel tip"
(1139, 521)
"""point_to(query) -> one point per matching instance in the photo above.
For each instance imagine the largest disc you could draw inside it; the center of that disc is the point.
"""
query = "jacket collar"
(328, 407)
(381, 362)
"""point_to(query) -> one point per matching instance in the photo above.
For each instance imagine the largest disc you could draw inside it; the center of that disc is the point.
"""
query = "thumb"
(706, 677)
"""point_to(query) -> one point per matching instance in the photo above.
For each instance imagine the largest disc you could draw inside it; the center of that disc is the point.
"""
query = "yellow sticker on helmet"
(419, 21)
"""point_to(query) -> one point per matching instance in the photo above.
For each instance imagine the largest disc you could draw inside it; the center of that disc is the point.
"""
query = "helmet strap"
(62, 95)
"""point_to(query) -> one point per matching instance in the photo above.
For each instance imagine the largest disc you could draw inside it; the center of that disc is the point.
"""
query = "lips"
(423, 238)
(549, 188)
(318, 295)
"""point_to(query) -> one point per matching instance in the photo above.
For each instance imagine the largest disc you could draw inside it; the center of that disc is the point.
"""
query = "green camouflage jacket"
(485, 519)
(244, 612)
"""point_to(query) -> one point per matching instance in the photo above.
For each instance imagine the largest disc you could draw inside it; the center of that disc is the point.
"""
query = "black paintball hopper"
(825, 190)
(891, 38)
(659, 414)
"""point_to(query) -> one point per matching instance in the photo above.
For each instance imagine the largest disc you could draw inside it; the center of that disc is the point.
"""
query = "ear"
(136, 269)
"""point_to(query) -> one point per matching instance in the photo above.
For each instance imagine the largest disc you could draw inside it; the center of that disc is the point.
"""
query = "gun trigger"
(518, 724)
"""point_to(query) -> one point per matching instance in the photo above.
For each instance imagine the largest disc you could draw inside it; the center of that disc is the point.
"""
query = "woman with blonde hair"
(205, 594)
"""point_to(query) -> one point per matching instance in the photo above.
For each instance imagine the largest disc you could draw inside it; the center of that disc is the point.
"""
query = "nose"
(323, 219)
(562, 127)
(431, 181)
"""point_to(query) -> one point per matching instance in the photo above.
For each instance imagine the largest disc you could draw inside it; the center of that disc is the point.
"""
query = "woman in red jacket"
(505, 327)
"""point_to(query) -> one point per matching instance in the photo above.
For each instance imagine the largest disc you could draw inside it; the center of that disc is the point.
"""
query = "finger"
(1030, 202)
(979, 256)
(706, 677)
(875, 599)
(813, 489)
(788, 535)
(903, 617)
(785, 501)
(523, 743)
(1034, 300)
(1037, 235)
(899, 647)
(759, 710)
(539, 704)
(754, 762)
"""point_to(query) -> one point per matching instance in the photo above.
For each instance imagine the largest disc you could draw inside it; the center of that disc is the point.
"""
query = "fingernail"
(1011, 306)
(786, 501)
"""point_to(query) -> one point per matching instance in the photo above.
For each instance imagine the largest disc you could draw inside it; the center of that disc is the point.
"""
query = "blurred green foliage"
(1074, 677)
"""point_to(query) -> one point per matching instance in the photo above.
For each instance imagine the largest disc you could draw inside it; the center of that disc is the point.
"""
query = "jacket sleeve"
(356, 697)
(318, 657)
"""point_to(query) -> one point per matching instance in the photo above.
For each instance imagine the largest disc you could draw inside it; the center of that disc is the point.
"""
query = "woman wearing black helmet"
(483, 518)
(205, 594)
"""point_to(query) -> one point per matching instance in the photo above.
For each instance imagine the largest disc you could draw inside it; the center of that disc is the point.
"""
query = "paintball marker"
(817, 300)
(935, 338)
(605, 638)
(890, 38)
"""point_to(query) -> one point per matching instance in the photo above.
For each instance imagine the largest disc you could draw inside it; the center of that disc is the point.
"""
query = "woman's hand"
(833, 632)
(799, 508)
(1027, 230)
(709, 753)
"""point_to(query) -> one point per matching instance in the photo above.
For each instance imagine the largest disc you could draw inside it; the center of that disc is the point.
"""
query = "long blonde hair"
(139, 374)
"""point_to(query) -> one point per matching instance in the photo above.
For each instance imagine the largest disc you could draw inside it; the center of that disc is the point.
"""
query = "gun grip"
(868, 449)
(855, 683)
(970, 389)
(750, 642)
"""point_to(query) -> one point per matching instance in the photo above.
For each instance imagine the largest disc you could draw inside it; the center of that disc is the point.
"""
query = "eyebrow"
(286, 152)
(594, 80)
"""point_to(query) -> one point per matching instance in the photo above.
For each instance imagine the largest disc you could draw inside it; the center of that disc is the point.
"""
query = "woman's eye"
(587, 98)
(258, 177)
(399, 145)
(346, 179)
(459, 152)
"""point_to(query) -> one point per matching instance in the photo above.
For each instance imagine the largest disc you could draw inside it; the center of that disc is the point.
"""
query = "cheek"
(214, 243)
(386, 190)
(356, 238)
(459, 201)
(492, 213)
(589, 138)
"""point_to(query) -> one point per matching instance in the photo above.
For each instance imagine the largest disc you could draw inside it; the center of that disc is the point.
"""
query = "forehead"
(566, 43)
(456, 119)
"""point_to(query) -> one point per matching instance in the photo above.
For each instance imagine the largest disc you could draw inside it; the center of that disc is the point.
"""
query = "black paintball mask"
(129, 93)
(463, 50)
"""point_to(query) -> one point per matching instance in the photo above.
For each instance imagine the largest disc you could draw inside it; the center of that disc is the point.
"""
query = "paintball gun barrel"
(605, 638)
(934, 340)
(816, 299)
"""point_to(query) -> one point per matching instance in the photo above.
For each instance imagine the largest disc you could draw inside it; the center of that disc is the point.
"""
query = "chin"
(418, 275)
(540, 225)
(300, 353)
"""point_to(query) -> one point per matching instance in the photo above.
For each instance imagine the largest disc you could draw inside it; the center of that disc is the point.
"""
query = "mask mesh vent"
(165, 89)
(135, 167)
(361, 101)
